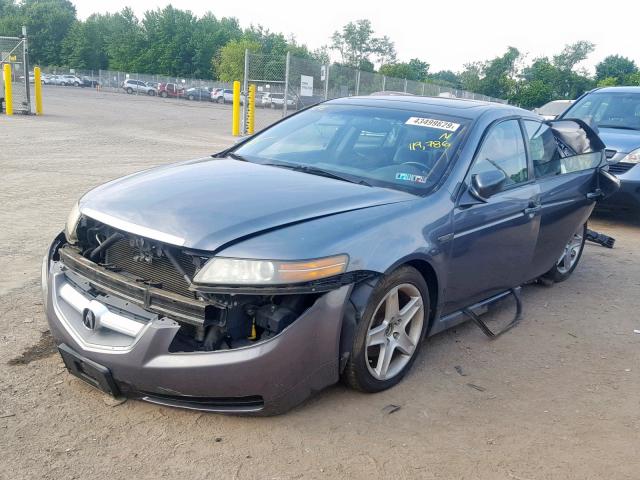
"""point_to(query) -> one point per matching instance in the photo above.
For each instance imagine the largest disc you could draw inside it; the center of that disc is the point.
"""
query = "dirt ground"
(558, 396)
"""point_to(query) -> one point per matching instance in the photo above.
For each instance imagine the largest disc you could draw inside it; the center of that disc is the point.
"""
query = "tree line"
(176, 42)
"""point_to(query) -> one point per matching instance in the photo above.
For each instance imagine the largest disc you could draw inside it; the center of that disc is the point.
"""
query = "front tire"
(570, 257)
(129, 90)
(389, 335)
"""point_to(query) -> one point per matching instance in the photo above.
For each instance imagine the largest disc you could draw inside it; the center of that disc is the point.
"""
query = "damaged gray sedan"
(326, 247)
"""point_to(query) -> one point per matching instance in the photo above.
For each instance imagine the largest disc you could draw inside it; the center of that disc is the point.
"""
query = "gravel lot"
(560, 393)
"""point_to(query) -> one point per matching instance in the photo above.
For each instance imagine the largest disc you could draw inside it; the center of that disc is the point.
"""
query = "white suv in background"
(138, 86)
(222, 95)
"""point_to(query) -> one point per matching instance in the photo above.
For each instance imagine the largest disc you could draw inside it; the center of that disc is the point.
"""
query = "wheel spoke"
(376, 335)
(391, 305)
(409, 311)
(567, 259)
(405, 344)
(384, 359)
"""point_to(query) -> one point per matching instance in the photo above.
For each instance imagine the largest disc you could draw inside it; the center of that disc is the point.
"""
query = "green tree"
(415, 69)
(209, 36)
(617, 67)
(357, 45)
(168, 41)
(48, 23)
(498, 75)
(229, 64)
(125, 43)
(85, 47)
(608, 82)
(11, 19)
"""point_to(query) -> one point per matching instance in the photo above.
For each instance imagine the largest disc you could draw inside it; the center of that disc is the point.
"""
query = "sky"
(447, 35)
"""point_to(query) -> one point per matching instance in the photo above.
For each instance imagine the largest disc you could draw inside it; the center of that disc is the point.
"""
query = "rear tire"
(164, 94)
(220, 99)
(569, 259)
(191, 97)
(129, 90)
(383, 351)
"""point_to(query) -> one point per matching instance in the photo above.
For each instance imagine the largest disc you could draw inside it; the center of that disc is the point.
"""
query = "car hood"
(210, 203)
(623, 141)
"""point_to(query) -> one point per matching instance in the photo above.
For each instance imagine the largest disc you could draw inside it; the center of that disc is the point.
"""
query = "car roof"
(471, 109)
(617, 90)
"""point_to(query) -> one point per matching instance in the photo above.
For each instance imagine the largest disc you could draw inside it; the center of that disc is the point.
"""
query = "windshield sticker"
(410, 177)
(433, 123)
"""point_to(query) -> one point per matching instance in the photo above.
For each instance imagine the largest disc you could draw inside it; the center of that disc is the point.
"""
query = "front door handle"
(532, 209)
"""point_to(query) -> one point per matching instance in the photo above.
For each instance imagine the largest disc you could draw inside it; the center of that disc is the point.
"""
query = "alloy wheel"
(571, 251)
(394, 332)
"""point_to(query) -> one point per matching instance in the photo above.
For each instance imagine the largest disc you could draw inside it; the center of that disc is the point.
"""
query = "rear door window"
(543, 149)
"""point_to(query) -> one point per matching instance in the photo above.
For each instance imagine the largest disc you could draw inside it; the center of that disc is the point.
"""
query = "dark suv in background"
(615, 111)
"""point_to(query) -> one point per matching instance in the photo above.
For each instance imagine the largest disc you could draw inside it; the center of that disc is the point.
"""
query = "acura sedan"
(325, 247)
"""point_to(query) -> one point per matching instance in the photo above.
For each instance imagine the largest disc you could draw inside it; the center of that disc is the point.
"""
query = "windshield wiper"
(621, 127)
(317, 171)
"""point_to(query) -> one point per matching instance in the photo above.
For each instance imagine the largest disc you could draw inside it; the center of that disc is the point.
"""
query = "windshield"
(608, 110)
(400, 149)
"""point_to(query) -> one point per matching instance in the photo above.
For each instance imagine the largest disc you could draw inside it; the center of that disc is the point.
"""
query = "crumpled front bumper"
(268, 377)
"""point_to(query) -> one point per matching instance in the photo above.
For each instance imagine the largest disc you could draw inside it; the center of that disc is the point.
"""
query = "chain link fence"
(13, 52)
(304, 82)
(132, 83)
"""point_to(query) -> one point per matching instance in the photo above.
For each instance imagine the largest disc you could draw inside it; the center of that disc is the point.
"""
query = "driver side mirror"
(486, 184)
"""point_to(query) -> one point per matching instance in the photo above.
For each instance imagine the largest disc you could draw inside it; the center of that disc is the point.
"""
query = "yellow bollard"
(251, 111)
(235, 118)
(8, 97)
(38, 88)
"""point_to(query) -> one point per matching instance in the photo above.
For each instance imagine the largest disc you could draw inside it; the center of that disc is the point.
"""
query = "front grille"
(160, 272)
(620, 167)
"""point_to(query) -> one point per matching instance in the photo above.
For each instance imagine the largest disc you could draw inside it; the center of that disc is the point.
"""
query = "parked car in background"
(138, 86)
(153, 85)
(89, 82)
(551, 110)
(615, 112)
(198, 93)
(46, 79)
(327, 246)
(276, 100)
(71, 80)
(170, 90)
(222, 95)
(57, 80)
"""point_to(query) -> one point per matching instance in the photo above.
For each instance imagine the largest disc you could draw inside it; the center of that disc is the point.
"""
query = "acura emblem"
(89, 319)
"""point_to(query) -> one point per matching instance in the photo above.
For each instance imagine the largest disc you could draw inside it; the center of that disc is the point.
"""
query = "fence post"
(25, 64)
(384, 82)
(405, 85)
(245, 84)
(8, 96)
(358, 83)
(286, 85)
(423, 85)
(326, 82)
(37, 85)
(235, 114)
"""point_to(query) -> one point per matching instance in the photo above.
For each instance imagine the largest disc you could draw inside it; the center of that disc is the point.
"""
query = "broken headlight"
(238, 271)
(71, 227)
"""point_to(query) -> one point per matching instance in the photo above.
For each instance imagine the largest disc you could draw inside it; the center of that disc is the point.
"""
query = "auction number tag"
(433, 123)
